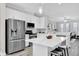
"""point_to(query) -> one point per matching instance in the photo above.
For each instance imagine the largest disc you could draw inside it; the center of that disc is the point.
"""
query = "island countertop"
(55, 41)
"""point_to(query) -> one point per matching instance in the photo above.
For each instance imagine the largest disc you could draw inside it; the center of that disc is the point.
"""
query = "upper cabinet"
(41, 23)
(67, 27)
(31, 19)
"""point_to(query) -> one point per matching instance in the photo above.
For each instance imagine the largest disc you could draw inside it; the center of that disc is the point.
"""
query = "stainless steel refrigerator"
(15, 35)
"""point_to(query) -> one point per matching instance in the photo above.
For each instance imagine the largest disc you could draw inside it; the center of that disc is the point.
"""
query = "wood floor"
(26, 52)
(74, 50)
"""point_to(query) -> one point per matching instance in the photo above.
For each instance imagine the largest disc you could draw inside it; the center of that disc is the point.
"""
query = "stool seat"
(58, 52)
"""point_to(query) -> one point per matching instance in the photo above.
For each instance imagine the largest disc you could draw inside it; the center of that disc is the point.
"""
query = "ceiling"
(53, 10)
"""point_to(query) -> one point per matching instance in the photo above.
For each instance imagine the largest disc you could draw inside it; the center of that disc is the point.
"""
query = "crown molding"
(15, 7)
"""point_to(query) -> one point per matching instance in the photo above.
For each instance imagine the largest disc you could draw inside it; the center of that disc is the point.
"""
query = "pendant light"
(59, 3)
(40, 10)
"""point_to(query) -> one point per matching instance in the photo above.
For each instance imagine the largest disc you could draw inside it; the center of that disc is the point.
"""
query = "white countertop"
(47, 42)
(63, 33)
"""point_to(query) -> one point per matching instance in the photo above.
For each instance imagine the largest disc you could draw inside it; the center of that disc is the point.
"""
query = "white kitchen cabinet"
(75, 27)
(26, 38)
(67, 27)
(32, 19)
(62, 27)
(28, 19)
(41, 23)
(37, 23)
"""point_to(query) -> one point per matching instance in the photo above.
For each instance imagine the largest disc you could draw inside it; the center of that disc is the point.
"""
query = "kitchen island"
(41, 45)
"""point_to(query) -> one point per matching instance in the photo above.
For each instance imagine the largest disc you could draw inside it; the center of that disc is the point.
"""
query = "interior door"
(20, 29)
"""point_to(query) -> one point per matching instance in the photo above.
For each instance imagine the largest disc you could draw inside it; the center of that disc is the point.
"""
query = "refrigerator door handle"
(11, 32)
(16, 31)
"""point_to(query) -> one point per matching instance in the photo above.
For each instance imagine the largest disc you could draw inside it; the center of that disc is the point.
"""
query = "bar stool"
(58, 52)
(63, 45)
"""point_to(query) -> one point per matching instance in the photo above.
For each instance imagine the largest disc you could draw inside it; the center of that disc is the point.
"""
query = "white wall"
(65, 9)
(2, 28)
(13, 13)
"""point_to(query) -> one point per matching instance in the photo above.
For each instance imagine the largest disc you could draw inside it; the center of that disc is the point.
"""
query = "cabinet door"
(38, 23)
(71, 27)
(75, 27)
(62, 27)
(41, 22)
(67, 27)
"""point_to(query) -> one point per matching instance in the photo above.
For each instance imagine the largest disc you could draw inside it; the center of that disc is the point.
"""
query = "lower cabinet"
(26, 38)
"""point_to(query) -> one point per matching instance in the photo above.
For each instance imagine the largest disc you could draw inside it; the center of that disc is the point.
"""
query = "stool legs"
(67, 51)
(59, 52)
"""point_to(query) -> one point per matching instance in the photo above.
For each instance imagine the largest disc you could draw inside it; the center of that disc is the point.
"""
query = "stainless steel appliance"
(15, 35)
(31, 34)
(30, 25)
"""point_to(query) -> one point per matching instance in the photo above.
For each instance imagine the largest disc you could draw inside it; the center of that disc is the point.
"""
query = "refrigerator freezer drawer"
(15, 35)
(16, 45)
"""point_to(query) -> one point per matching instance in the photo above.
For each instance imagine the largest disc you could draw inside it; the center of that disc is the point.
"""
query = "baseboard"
(2, 54)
